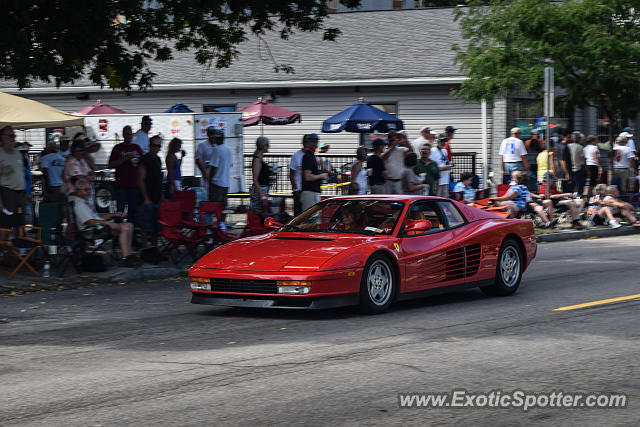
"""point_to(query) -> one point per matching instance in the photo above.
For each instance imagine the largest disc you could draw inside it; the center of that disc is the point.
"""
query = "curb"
(585, 234)
(146, 274)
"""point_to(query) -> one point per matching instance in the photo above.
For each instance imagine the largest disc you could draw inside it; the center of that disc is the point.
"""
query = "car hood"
(280, 252)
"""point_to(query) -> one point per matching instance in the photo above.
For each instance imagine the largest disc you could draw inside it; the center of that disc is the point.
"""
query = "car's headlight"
(294, 287)
(200, 283)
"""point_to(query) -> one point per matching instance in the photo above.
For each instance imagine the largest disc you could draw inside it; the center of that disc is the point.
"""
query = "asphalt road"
(141, 354)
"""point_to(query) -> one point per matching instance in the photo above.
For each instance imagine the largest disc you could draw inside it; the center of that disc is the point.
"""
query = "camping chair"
(458, 196)
(502, 189)
(255, 225)
(172, 231)
(187, 199)
(210, 214)
(22, 247)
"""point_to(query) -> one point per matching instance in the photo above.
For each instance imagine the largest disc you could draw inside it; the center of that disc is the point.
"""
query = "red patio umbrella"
(265, 113)
(100, 108)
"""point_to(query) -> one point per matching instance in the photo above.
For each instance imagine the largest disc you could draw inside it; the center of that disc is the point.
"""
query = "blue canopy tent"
(362, 118)
(179, 108)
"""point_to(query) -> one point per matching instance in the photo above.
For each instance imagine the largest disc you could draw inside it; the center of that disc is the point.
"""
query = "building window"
(387, 107)
(218, 108)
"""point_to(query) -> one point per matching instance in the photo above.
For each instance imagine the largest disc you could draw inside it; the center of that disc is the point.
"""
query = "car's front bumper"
(264, 301)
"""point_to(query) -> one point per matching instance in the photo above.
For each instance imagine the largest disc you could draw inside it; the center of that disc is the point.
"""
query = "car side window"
(426, 210)
(451, 213)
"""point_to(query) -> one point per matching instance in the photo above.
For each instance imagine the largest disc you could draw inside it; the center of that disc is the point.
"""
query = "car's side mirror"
(271, 224)
(417, 226)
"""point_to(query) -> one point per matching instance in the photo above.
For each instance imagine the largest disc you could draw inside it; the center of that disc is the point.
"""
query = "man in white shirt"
(220, 164)
(630, 143)
(394, 161)
(427, 136)
(623, 163)
(440, 156)
(513, 155)
(203, 154)
(295, 172)
(141, 137)
(87, 217)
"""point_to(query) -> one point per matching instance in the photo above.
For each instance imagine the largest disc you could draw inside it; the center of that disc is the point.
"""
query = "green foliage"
(112, 41)
(594, 46)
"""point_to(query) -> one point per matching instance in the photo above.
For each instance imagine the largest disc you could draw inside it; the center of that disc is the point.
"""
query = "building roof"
(395, 45)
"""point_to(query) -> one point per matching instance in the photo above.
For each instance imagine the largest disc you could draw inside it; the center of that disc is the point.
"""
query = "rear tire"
(378, 286)
(509, 269)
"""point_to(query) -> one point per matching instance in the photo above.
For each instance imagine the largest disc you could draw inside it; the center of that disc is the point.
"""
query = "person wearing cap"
(65, 143)
(203, 153)
(393, 159)
(440, 156)
(141, 137)
(295, 175)
(52, 166)
(12, 183)
(150, 186)
(427, 136)
(450, 132)
(623, 163)
(533, 146)
(630, 143)
(219, 173)
(376, 169)
(76, 165)
(513, 155)
(125, 158)
(311, 175)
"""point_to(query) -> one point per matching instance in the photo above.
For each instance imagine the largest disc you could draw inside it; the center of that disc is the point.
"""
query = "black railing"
(341, 170)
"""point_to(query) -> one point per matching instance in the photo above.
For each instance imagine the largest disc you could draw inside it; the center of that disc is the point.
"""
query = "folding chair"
(213, 211)
(21, 247)
(457, 195)
(171, 220)
(255, 225)
(502, 189)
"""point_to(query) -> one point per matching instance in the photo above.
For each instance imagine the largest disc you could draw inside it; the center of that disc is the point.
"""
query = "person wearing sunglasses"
(150, 186)
(76, 166)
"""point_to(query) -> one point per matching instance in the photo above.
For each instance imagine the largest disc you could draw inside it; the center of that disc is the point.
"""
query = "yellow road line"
(600, 302)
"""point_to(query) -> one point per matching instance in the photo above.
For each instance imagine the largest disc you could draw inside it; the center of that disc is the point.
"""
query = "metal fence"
(341, 170)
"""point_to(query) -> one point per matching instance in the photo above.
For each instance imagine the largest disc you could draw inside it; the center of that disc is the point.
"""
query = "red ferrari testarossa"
(370, 251)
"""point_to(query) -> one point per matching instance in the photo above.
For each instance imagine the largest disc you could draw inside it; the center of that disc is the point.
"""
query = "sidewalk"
(24, 282)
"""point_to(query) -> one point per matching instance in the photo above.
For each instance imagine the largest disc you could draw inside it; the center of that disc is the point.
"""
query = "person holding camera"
(441, 157)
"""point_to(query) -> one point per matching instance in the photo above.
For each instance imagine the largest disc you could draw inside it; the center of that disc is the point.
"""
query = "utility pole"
(548, 113)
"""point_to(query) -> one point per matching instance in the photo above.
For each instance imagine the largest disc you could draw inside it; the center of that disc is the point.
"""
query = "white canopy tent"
(22, 113)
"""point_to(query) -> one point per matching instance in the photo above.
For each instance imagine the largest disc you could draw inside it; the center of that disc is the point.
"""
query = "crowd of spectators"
(545, 178)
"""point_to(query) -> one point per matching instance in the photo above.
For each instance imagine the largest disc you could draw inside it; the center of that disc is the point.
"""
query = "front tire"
(509, 269)
(378, 286)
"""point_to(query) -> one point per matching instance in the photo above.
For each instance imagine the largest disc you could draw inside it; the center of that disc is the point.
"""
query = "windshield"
(348, 216)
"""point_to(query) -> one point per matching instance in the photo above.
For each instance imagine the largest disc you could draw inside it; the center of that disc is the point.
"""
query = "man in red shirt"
(124, 159)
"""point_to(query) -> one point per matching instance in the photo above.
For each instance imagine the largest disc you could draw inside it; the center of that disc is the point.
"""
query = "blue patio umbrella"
(362, 118)
(179, 108)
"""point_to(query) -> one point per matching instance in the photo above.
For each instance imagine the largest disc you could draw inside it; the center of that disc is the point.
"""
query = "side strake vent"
(463, 262)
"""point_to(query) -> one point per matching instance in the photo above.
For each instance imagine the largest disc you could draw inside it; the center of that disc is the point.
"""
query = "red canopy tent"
(100, 108)
(265, 113)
